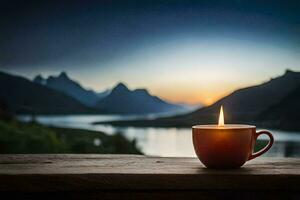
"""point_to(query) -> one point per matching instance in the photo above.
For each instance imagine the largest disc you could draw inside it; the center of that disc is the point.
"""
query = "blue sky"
(183, 51)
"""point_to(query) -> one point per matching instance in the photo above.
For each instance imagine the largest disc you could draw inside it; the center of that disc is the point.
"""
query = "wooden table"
(133, 177)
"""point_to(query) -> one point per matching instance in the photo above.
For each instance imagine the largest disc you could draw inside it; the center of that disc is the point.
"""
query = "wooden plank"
(90, 173)
(160, 194)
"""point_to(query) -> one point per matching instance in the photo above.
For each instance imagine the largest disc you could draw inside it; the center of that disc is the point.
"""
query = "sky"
(183, 51)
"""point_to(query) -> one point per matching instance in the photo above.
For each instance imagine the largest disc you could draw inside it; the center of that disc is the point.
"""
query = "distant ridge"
(125, 101)
(245, 104)
(119, 100)
(256, 105)
(22, 96)
(64, 84)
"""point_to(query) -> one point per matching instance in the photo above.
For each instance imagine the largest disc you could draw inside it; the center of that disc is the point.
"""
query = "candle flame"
(221, 117)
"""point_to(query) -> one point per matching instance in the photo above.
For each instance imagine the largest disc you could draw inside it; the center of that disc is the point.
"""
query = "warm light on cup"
(227, 145)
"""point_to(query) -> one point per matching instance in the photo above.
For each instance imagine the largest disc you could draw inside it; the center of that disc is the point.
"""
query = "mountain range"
(72, 88)
(119, 100)
(63, 95)
(22, 96)
(245, 104)
(124, 101)
(274, 103)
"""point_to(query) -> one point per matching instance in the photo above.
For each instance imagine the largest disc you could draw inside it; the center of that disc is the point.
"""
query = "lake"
(161, 141)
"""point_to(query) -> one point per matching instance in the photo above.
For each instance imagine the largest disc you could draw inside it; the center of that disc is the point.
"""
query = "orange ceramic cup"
(229, 146)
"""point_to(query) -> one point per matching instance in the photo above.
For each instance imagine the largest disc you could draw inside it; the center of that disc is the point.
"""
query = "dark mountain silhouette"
(284, 115)
(23, 96)
(241, 106)
(103, 94)
(124, 101)
(70, 87)
(244, 104)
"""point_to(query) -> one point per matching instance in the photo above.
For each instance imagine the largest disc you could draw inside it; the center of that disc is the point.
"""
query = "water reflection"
(163, 141)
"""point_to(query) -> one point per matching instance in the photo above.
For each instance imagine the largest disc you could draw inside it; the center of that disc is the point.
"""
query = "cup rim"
(225, 127)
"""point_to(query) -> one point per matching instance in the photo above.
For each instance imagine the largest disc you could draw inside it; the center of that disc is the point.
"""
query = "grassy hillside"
(17, 137)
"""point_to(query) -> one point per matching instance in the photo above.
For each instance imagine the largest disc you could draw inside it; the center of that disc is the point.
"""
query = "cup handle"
(266, 148)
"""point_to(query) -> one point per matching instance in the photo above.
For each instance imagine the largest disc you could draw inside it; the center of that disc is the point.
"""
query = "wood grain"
(132, 173)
